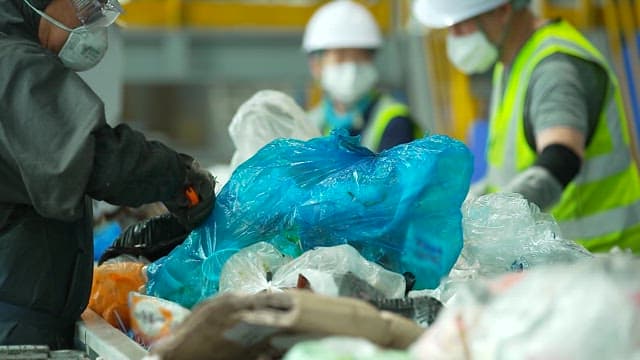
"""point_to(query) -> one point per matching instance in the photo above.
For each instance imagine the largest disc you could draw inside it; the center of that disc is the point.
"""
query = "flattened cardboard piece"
(234, 326)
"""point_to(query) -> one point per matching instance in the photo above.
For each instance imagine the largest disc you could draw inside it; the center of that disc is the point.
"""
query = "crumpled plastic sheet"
(504, 232)
(586, 310)
(399, 208)
(262, 267)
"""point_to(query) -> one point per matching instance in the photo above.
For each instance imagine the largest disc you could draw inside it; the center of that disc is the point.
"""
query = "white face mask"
(84, 47)
(471, 54)
(348, 82)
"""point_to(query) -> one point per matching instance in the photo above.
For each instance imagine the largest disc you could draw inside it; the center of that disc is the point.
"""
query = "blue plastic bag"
(104, 236)
(399, 208)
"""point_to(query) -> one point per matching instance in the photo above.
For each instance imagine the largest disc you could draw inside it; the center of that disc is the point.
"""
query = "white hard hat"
(342, 24)
(445, 13)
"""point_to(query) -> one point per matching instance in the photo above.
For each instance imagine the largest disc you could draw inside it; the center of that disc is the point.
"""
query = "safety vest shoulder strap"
(386, 109)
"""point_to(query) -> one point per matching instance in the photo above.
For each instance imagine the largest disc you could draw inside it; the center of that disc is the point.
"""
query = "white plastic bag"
(250, 270)
(267, 116)
(586, 310)
(339, 259)
(247, 271)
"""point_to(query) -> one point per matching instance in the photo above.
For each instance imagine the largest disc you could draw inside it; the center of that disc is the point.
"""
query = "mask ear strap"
(503, 36)
(49, 18)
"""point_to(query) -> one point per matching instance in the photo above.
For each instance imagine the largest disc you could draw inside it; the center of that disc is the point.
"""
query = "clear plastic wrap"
(504, 232)
(585, 310)
(399, 208)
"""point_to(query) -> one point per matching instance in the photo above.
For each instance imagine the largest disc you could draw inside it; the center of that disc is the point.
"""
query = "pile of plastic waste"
(399, 209)
(324, 215)
(321, 249)
(565, 303)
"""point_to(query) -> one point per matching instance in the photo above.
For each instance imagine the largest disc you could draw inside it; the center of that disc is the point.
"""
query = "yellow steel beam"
(455, 106)
(629, 32)
(437, 67)
(464, 106)
(173, 9)
(614, 31)
(149, 13)
(234, 14)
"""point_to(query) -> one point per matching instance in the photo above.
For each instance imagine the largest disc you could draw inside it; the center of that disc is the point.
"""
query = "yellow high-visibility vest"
(600, 207)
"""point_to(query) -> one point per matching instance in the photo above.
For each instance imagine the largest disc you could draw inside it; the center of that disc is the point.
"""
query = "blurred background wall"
(178, 69)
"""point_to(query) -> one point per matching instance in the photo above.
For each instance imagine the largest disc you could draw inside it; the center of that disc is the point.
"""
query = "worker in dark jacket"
(56, 154)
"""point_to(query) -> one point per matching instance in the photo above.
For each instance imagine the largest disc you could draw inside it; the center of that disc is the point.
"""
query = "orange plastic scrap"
(110, 289)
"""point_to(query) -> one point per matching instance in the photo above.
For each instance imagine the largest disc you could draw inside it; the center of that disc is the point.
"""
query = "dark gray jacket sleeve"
(56, 147)
(129, 170)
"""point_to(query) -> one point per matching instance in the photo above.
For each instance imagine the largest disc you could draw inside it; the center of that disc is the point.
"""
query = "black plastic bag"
(152, 238)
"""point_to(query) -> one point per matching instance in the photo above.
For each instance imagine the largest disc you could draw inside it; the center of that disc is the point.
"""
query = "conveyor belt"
(102, 341)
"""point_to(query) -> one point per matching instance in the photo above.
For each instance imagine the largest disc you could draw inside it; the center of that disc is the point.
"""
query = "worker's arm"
(559, 159)
(56, 147)
(129, 170)
(564, 102)
(46, 147)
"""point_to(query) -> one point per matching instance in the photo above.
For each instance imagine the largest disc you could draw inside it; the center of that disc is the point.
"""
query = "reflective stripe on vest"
(603, 202)
(385, 110)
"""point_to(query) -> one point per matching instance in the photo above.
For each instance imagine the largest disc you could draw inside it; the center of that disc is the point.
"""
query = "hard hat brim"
(442, 15)
(431, 17)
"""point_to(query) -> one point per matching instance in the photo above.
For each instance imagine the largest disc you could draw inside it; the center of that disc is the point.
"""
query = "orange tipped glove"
(193, 203)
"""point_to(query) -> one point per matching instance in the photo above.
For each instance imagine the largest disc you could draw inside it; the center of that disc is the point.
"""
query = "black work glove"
(200, 181)
(152, 238)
